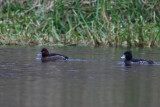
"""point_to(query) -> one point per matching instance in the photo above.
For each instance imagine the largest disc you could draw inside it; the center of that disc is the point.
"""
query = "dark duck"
(46, 56)
(129, 60)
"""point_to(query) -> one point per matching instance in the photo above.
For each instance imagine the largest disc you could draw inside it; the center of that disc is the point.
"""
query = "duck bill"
(123, 57)
(39, 54)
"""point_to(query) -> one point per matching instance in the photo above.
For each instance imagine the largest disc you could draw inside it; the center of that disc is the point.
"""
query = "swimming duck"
(46, 56)
(138, 61)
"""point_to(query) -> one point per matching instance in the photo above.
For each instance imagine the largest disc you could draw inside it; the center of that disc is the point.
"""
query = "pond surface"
(94, 77)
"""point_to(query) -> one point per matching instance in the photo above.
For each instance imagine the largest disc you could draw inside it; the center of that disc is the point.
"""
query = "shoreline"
(87, 23)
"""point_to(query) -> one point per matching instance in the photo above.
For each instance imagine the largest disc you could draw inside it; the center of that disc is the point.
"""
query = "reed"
(88, 22)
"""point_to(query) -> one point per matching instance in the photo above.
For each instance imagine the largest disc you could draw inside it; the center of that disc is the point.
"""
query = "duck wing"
(143, 60)
(55, 54)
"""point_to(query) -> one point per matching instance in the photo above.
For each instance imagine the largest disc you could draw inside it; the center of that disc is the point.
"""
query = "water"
(93, 77)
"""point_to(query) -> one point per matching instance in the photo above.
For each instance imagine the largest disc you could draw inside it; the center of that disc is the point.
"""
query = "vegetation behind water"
(89, 22)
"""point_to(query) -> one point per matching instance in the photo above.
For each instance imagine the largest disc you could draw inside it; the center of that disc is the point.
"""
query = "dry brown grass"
(97, 22)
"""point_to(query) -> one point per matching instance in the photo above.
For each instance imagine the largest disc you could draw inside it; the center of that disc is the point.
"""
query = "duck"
(129, 60)
(46, 56)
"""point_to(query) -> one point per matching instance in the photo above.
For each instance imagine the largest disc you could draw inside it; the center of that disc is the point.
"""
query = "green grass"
(89, 22)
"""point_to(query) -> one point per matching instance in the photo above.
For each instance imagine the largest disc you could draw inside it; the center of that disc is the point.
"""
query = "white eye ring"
(123, 57)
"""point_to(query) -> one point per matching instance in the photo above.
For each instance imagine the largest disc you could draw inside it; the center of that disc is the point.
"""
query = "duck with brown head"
(46, 56)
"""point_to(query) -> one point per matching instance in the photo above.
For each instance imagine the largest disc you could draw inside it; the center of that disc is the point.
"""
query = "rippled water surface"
(93, 77)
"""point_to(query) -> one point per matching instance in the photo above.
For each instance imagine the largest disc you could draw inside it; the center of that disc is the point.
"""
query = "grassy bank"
(89, 22)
